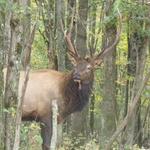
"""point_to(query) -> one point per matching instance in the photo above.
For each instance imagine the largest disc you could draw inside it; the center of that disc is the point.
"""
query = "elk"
(71, 90)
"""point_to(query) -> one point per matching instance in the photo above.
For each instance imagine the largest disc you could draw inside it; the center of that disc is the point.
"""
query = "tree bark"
(92, 49)
(1, 78)
(61, 51)
(79, 119)
(109, 104)
(13, 47)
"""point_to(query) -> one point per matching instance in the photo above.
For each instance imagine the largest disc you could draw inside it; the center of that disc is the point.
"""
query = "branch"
(129, 114)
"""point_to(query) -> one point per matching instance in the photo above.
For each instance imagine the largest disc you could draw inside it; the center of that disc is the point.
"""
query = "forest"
(99, 96)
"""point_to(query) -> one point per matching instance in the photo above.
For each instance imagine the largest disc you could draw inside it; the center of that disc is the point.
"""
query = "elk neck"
(75, 98)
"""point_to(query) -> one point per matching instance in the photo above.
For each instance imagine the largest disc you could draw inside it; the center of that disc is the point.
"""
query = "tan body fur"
(42, 88)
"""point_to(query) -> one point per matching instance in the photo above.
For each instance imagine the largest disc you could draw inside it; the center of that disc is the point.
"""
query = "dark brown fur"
(74, 97)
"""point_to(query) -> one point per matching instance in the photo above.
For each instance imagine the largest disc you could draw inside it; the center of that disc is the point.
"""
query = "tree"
(2, 8)
(108, 106)
(81, 45)
(138, 44)
(92, 47)
(14, 44)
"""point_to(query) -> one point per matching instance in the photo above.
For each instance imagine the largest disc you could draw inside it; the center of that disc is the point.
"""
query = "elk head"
(84, 67)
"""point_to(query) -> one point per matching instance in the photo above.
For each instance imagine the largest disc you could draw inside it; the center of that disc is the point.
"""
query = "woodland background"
(119, 82)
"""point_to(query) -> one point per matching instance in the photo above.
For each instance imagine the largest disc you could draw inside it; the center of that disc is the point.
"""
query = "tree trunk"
(1, 78)
(61, 51)
(7, 39)
(108, 106)
(79, 119)
(92, 48)
(25, 26)
(13, 47)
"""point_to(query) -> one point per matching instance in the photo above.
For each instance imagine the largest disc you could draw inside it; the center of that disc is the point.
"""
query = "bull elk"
(71, 90)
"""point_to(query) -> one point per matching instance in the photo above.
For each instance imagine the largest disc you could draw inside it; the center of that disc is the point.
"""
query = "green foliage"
(39, 57)
(30, 136)
(75, 143)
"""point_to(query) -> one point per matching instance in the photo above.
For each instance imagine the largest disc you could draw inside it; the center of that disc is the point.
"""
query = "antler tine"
(72, 51)
(105, 51)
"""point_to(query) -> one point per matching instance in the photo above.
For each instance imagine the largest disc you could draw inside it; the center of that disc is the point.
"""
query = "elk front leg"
(46, 132)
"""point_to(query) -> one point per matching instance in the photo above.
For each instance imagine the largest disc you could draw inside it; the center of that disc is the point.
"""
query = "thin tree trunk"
(92, 47)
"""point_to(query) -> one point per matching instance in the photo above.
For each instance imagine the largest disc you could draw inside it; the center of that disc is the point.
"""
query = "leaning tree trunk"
(108, 106)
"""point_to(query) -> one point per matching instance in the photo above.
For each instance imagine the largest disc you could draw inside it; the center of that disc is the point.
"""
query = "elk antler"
(101, 55)
(72, 51)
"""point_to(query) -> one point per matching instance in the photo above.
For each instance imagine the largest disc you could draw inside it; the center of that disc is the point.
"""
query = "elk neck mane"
(74, 98)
